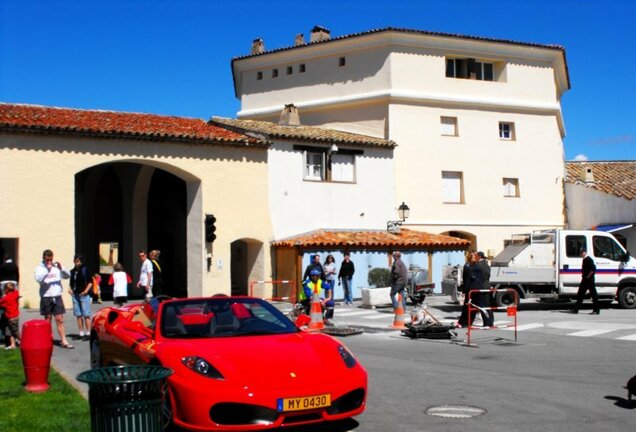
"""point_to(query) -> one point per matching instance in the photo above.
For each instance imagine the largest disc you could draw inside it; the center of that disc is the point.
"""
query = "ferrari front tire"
(96, 354)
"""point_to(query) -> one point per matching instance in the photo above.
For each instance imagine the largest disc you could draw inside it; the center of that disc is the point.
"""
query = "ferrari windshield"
(222, 317)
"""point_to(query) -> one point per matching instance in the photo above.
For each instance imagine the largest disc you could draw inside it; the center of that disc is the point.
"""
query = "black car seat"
(224, 322)
(172, 325)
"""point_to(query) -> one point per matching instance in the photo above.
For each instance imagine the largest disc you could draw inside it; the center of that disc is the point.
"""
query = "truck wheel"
(506, 298)
(627, 297)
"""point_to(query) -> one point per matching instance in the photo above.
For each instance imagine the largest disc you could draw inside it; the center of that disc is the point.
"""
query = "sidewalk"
(70, 362)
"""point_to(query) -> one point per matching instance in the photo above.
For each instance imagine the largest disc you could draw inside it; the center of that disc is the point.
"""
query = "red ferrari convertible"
(238, 362)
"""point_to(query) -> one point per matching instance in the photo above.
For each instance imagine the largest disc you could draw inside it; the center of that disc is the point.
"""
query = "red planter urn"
(36, 348)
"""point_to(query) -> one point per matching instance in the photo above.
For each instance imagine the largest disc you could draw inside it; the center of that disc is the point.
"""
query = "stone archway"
(472, 238)
(247, 264)
(140, 206)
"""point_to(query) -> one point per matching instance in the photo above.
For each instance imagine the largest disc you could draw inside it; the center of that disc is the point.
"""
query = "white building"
(602, 195)
(477, 121)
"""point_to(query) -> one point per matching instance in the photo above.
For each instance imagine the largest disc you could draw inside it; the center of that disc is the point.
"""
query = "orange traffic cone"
(316, 322)
(398, 321)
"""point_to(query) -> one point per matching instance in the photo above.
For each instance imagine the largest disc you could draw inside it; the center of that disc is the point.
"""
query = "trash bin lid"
(124, 374)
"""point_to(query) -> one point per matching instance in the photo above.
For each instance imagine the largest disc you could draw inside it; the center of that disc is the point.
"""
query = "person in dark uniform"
(588, 270)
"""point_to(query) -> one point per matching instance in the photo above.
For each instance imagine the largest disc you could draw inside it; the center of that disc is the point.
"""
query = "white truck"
(547, 264)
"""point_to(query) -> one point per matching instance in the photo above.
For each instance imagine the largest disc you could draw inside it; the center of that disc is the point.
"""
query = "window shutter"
(452, 187)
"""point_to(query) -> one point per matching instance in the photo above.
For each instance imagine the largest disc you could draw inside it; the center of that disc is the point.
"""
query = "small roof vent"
(588, 176)
(258, 46)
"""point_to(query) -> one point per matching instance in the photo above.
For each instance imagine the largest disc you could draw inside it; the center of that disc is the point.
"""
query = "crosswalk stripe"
(525, 327)
(588, 333)
(388, 317)
(354, 313)
(629, 337)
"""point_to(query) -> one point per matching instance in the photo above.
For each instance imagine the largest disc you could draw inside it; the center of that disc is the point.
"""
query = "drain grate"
(454, 411)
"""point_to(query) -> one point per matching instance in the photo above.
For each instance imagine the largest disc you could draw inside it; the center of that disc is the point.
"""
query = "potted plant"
(379, 288)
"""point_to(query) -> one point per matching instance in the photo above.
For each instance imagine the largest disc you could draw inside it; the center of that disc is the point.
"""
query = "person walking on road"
(81, 291)
(399, 277)
(345, 275)
(49, 275)
(588, 270)
(481, 281)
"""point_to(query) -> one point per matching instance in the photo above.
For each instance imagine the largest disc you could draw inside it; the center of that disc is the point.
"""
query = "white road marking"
(588, 333)
(628, 338)
(354, 313)
(525, 327)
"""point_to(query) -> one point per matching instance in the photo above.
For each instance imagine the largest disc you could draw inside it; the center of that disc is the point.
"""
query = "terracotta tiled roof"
(301, 133)
(405, 239)
(111, 124)
(612, 177)
(421, 32)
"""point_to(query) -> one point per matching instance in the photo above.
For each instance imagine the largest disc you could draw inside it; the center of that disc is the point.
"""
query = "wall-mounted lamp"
(333, 148)
(403, 212)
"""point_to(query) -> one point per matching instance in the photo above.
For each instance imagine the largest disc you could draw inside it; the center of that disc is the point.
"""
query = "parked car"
(238, 362)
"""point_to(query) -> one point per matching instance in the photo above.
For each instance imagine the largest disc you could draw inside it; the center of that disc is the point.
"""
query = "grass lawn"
(60, 408)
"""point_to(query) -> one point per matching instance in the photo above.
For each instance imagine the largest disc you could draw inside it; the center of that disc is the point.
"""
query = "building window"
(301, 68)
(453, 187)
(314, 165)
(449, 126)
(507, 131)
(290, 70)
(259, 75)
(511, 187)
(322, 165)
(469, 69)
(342, 167)
(342, 61)
(274, 73)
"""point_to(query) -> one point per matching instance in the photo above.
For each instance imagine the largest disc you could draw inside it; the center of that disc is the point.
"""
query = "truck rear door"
(570, 245)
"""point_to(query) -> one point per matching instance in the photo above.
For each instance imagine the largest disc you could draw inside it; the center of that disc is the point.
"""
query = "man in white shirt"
(145, 277)
(49, 275)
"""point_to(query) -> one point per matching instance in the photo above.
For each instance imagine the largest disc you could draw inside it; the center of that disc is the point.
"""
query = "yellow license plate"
(303, 403)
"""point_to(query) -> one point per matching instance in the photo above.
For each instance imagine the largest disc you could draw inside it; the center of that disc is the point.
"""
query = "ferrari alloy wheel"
(96, 354)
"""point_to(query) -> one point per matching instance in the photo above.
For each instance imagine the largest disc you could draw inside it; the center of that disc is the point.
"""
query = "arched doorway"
(464, 235)
(247, 264)
(131, 206)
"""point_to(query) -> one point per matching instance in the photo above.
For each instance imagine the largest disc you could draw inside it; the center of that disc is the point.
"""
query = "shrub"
(379, 277)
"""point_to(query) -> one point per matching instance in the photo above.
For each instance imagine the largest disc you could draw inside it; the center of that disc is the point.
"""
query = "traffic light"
(210, 220)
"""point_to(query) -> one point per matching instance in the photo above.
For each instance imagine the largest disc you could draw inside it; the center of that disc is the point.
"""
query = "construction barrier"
(398, 320)
(511, 311)
(281, 290)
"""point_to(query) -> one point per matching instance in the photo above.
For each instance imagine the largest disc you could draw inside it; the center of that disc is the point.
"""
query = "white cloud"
(580, 158)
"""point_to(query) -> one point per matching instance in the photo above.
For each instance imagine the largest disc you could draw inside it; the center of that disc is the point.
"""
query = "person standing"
(311, 286)
(399, 277)
(314, 265)
(49, 275)
(588, 270)
(145, 277)
(481, 281)
(330, 271)
(120, 280)
(9, 304)
(328, 303)
(345, 275)
(81, 284)
(467, 276)
(157, 278)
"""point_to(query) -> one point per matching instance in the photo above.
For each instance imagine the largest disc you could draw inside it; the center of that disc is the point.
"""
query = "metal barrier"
(511, 311)
(278, 292)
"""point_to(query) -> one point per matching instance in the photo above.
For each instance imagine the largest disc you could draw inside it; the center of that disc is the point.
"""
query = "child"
(120, 280)
(97, 280)
(11, 313)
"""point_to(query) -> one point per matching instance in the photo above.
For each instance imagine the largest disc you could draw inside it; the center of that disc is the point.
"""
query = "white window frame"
(310, 166)
(446, 124)
(507, 131)
(510, 187)
(343, 168)
(452, 187)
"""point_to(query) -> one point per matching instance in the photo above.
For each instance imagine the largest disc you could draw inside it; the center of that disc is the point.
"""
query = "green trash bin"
(126, 398)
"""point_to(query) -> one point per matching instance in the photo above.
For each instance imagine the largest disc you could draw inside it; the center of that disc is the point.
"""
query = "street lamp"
(403, 212)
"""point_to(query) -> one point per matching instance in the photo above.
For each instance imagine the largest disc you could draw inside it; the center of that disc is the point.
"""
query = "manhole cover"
(342, 331)
(454, 411)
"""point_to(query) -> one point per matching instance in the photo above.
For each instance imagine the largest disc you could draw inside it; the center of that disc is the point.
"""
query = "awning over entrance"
(404, 240)
(612, 228)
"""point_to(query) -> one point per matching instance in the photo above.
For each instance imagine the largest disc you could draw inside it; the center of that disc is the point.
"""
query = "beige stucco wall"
(37, 178)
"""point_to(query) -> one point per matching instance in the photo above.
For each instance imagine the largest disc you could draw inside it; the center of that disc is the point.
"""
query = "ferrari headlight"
(202, 367)
(347, 357)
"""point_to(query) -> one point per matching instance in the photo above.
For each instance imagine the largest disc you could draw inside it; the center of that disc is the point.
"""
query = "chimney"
(289, 116)
(589, 176)
(319, 34)
(258, 46)
(300, 39)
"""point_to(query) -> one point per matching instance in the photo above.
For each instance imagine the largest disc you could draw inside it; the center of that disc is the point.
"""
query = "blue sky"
(173, 57)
